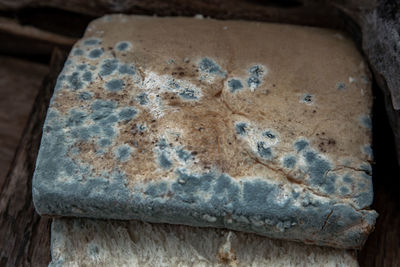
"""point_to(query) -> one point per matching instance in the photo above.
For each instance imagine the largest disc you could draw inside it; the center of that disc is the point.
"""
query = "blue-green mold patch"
(209, 66)
(108, 67)
(127, 113)
(162, 144)
(188, 94)
(344, 190)
(347, 179)
(75, 81)
(123, 152)
(341, 86)
(143, 99)
(87, 76)
(367, 149)
(76, 118)
(126, 69)
(366, 167)
(183, 154)
(318, 168)
(95, 53)
(115, 85)
(264, 151)
(104, 142)
(256, 72)
(235, 85)
(289, 162)
(123, 46)
(269, 134)
(164, 161)
(102, 108)
(307, 98)
(91, 41)
(366, 121)
(241, 128)
(81, 67)
(78, 52)
(301, 145)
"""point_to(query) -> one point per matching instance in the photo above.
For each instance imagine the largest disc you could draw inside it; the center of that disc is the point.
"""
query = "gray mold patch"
(80, 188)
(75, 81)
(188, 94)
(81, 67)
(115, 85)
(164, 161)
(367, 150)
(95, 53)
(301, 145)
(87, 76)
(213, 199)
(207, 65)
(289, 162)
(269, 134)
(307, 99)
(123, 152)
(123, 46)
(341, 86)
(127, 113)
(235, 85)
(256, 73)
(264, 151)
(143, 99)
(78, 52)
(92, 42)
(241, 128)
(319, 169)
(126, 69)
(183, 154)
(108, 67)
(366, 122)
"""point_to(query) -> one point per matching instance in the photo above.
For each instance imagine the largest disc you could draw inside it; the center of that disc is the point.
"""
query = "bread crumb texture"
(85, 242)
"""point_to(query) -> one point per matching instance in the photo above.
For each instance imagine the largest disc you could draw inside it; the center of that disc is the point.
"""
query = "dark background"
(35, 37)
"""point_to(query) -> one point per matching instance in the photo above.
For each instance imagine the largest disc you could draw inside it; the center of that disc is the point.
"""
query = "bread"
(254, 127)
(86, 242)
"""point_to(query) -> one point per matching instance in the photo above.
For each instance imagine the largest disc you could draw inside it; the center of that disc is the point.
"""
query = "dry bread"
(254, 127)
(86, 242)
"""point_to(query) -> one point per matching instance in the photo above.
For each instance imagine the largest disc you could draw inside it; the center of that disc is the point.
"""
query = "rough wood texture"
(383, 245)
(19, 84)
(30, 41)
(309, 12)
(24, 235)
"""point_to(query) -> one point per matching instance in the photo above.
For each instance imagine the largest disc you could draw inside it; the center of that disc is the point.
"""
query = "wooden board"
(24, 235)
(19, 85)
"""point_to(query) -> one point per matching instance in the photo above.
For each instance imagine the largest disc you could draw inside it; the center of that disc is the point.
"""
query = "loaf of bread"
(254, 127)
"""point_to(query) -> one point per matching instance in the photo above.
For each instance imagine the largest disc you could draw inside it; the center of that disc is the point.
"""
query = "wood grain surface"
(20, 82)
(24, 235)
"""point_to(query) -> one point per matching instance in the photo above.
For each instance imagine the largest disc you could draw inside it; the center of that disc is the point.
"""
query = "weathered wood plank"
(30, 42)
(19, 84)
(383, 246)
(24, 235)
